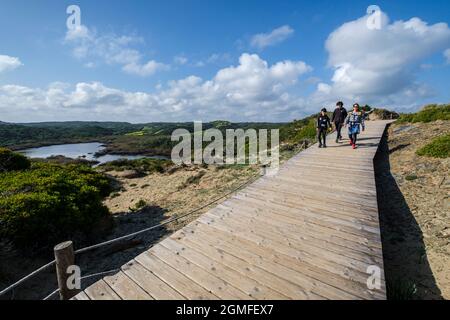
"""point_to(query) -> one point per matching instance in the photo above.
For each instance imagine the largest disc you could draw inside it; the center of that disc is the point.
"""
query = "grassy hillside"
(428, 113)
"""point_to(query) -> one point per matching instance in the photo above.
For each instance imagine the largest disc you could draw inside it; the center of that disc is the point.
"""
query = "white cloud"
(380, 66)
(9, 63)
(278, 35)
(146, 69)
(111, 49)
(214, 58)
(181, 60)
(447, 55)
(252, 90)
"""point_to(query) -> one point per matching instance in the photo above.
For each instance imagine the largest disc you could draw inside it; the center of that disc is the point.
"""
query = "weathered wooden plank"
(175, 279)
(153, 285)
(255, 289)
(217, 238)
(100, 290)
(210, 282)
(126, 288)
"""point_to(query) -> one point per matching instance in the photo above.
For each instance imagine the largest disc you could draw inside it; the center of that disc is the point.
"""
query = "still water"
(78, 150)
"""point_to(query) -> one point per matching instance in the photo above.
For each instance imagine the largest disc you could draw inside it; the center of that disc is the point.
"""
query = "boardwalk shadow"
(407, 270)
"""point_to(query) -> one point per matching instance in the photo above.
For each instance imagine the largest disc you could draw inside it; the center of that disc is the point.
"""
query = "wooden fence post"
(64, 257)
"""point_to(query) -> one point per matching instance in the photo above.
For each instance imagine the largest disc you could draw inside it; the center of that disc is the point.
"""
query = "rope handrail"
(82, 278)
(131, 235)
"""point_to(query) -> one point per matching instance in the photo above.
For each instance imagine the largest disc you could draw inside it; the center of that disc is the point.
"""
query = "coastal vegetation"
(438, 148)
(44, 203)
(427, 114)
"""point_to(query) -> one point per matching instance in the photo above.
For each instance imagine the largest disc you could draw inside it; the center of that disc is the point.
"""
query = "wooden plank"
(209, 281)
(126, 288)
(322, 241)
(297, 286)
(153, 285)
(346, 269)
(100, 290)
(251, 280)
(218, 238)
(324, 255)
(346, 233)
(174, 278)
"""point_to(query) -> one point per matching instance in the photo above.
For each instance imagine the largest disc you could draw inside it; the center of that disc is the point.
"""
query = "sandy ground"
(174, 193)
(415, 214)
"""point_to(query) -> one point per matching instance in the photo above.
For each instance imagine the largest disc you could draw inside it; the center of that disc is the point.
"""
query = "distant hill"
(24, 135)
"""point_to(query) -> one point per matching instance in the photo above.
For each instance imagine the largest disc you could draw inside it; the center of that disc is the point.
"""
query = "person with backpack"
(354, 121)
(323, 124)
(338, 118)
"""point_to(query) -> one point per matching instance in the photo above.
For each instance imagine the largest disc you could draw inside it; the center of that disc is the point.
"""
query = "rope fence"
(118, 239)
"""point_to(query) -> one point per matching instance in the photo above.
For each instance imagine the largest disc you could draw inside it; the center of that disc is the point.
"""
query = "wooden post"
(64, 258)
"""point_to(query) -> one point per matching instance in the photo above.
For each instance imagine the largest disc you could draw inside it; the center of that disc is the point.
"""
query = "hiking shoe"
(353, 146)
(337, 140)
(320, 146)
(324, 145)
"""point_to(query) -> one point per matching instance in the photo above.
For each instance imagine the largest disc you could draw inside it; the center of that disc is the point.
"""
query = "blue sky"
(246, 60)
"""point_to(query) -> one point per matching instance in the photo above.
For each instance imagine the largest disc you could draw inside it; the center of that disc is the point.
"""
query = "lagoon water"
(78, 150)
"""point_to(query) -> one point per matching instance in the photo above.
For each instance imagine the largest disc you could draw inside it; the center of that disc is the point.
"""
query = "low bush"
(141, 165)
(10, 161)
(428, 113)
(141, 204)
(49, 203)
(438, 148)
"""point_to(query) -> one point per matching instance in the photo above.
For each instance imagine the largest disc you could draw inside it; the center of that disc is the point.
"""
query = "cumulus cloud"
(251, 90)
(380, 66)
(276, 36)
(9, 63)
(111, 49)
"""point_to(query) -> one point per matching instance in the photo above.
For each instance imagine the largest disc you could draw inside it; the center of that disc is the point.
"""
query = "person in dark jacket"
(323, 124)
(338, 118)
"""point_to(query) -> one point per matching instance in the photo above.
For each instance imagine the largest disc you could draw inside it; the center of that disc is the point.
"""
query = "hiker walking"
(338, 118)
(323, 124)
(355, 120)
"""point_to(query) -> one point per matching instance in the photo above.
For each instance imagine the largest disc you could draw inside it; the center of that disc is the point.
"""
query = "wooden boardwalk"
(309, 232)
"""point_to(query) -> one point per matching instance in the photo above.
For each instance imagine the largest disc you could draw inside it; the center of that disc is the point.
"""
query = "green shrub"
(10, 161)
(143, 165)
(411, 177)
(50, 203)
(299, 130)
(428, 113)
(141, 204)
(438, 148)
